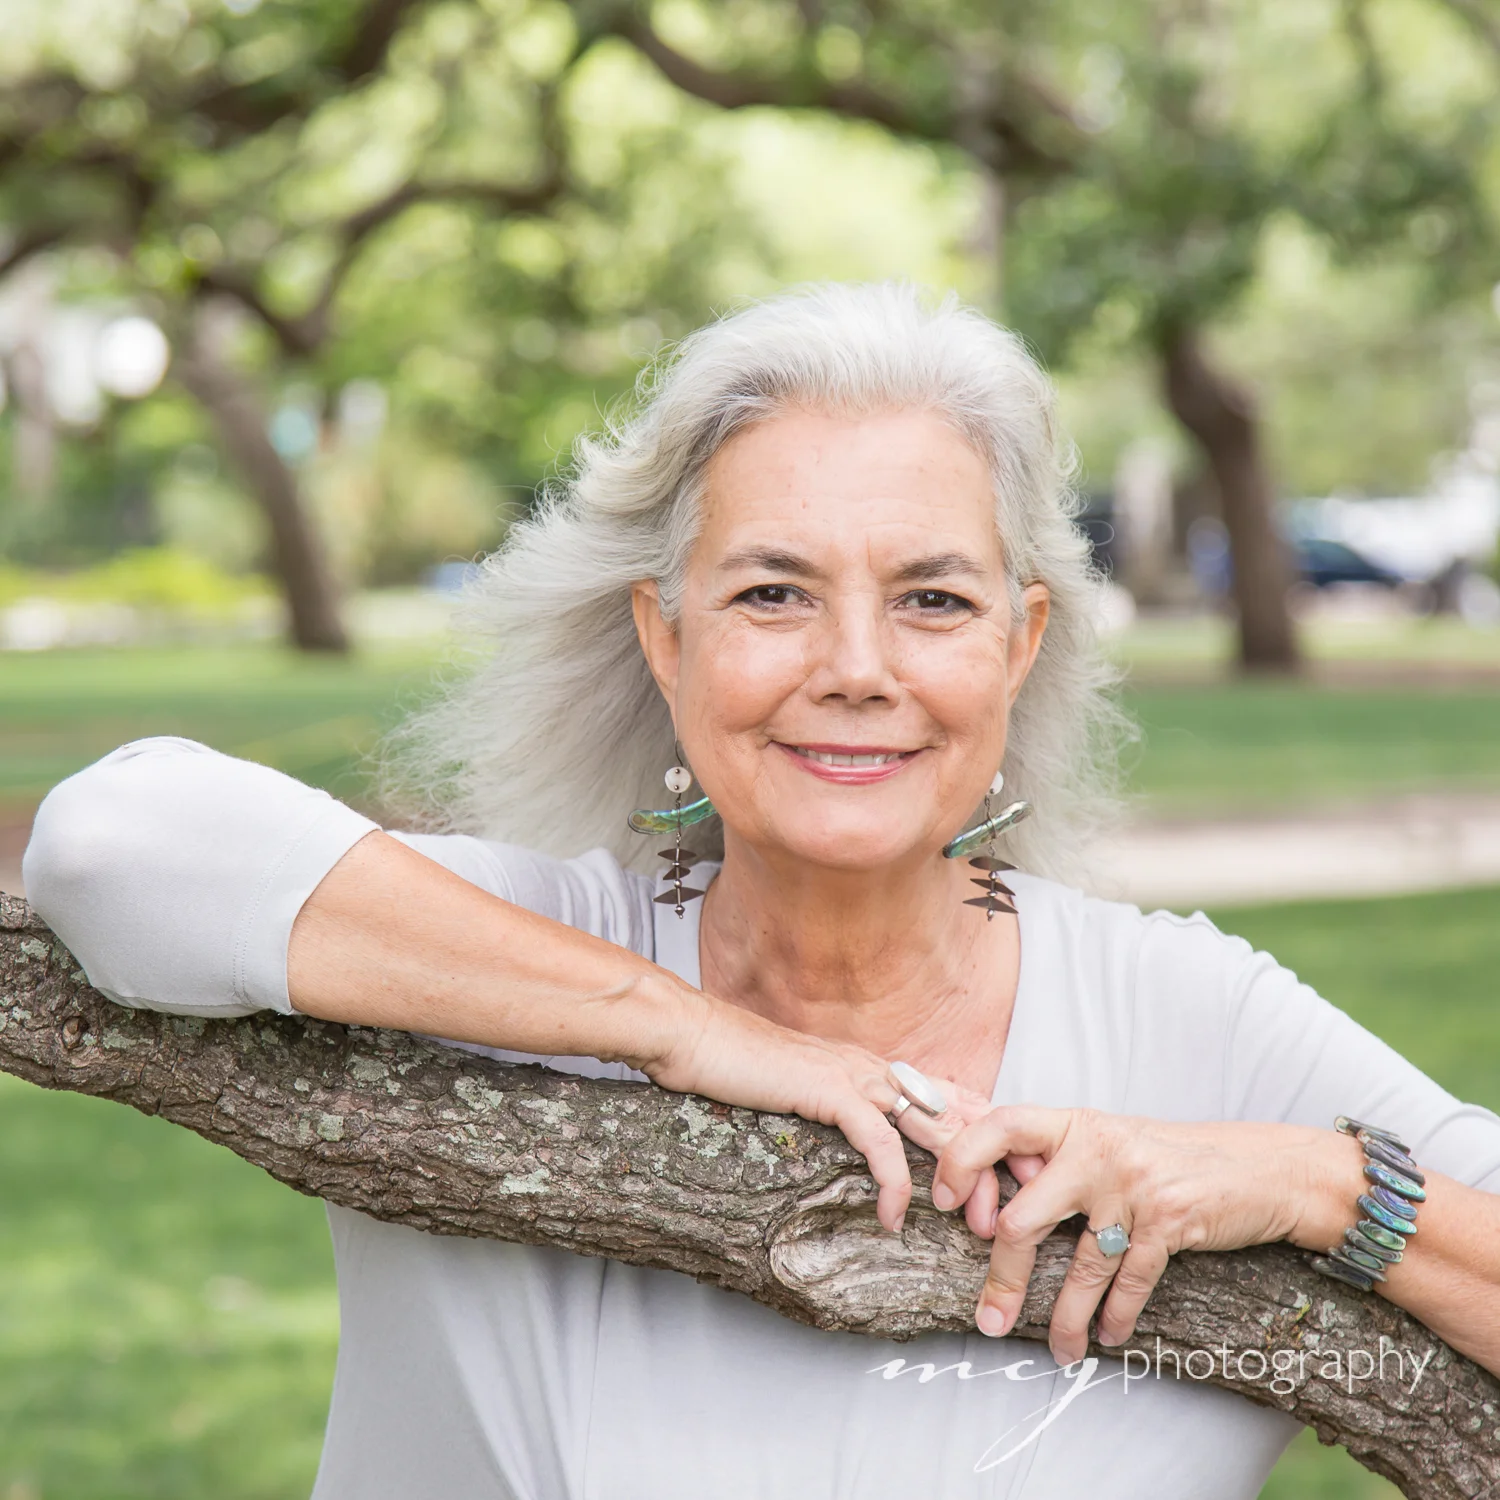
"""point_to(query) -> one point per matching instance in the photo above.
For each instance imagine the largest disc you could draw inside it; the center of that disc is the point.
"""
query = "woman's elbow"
(93, 835)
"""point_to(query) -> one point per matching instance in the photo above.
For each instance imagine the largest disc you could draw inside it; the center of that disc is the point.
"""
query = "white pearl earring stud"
(678, 779)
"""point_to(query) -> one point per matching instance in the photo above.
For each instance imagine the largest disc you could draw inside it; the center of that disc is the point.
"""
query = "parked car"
(1322, 563)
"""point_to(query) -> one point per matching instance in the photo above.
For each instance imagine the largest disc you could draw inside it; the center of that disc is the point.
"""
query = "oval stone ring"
(919, 1089)
(1113, 1240)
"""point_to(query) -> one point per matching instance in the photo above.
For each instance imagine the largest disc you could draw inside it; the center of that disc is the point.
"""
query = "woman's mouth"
(848, 764)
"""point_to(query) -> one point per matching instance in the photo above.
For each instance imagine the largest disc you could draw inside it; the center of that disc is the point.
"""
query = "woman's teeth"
(823, 757)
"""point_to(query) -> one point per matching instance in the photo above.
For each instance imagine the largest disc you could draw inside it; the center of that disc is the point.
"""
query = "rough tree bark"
(774, 1207)
(298, 556)
(1221, 417)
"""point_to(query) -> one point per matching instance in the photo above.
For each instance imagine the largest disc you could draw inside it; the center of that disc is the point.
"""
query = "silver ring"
(1113, 1240)
(899, 1108)
(919, 1089)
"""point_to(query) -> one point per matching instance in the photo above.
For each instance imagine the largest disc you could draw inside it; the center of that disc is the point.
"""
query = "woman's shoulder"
(1110, 955)
(1158, 1012)
(591, 891)
(1104, 927)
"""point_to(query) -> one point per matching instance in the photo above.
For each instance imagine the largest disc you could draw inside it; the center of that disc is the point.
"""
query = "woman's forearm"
(390, 938)
(1449, 1274)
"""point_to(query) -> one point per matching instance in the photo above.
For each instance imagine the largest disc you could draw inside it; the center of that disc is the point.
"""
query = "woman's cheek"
(747, 674)
(960, 682)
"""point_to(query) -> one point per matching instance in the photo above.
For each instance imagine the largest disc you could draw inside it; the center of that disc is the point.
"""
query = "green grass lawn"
(1262, 746)
(168, 1316)
(313, 717)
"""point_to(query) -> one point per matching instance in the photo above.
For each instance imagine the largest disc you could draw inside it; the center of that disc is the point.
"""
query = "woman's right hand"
(737, 1057)
(730, 1054)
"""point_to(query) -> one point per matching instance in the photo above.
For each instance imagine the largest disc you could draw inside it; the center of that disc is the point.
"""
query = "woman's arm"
(390, 938)
(1449, 1273)
(188, 881)
(174, 873)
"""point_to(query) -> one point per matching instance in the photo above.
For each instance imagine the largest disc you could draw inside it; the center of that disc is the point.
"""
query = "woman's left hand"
(1216, 1185)
(934, 1132)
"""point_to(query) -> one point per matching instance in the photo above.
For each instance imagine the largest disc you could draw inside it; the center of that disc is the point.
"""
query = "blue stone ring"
(1113, 1240)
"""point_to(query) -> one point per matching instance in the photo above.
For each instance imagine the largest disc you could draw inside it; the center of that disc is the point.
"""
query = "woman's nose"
(852, 656)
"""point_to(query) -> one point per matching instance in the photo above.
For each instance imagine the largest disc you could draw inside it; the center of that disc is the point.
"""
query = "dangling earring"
(673, 820)
(985, 832)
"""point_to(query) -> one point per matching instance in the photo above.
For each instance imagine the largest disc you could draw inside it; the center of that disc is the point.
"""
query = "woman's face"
(845, 598)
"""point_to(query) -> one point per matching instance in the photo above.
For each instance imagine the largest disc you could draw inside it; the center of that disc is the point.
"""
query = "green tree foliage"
(467, 203)
(1141, 156)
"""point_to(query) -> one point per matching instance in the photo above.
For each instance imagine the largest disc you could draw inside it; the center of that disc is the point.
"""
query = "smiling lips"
(849, 764)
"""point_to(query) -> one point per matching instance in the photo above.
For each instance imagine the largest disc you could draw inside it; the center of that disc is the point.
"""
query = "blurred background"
(300, 300)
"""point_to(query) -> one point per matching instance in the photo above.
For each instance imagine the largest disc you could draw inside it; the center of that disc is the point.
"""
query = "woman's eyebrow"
(918, 570)
(770, 559)
(940, 565)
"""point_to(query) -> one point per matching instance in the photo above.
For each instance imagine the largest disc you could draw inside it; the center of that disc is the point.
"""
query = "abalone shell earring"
(673, 820)
(984, 832)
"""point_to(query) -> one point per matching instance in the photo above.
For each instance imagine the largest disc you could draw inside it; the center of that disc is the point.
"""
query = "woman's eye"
(770, 594)
(937, 602)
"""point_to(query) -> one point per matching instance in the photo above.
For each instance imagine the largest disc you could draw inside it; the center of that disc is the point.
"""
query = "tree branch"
(303, 334)
(254, 107)
(32, 242)
(997, 133)
(774, 1207)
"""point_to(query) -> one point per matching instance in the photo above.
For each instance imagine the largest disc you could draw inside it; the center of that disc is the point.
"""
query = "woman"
(830, 557)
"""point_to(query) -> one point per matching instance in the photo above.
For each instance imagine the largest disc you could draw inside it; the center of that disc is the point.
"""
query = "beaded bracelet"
(1389, 1206)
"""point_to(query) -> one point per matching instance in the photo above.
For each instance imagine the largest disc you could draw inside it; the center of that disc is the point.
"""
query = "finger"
(1023, 1223)
(866, 1128)
(983, 1205)
(1065, 1186)
(931, 1132)
(1005, 1282)
(984, 1202)
(1089, 1276)
(1031, 1129)
(1141, 1268)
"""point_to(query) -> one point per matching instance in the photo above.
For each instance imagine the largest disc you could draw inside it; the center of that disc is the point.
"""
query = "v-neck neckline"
(677, 948)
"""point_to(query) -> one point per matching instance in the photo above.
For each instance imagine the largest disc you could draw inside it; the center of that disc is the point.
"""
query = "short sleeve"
(1291, 1055)
(174, 874)
(590, 891)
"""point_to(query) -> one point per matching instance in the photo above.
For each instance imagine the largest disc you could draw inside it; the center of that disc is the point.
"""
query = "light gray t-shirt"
(473, 1370)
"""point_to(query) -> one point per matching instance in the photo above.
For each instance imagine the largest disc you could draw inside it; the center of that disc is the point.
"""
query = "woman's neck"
(891, 960)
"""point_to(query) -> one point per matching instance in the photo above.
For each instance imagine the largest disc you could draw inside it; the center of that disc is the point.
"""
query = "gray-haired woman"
(828, 564)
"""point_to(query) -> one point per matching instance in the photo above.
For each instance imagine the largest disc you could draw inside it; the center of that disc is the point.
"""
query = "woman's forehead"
(901, 475)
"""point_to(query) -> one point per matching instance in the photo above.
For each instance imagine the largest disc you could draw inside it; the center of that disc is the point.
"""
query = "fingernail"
(1108, 1338)
(943, 1196)
(994, 1220)
(900, 1220)
(991, 1320)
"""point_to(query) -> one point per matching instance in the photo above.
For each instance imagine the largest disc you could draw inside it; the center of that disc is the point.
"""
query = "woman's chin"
(852, 848)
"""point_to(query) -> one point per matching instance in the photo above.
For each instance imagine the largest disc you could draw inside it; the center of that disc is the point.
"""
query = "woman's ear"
(1026, 638)
(659, 643)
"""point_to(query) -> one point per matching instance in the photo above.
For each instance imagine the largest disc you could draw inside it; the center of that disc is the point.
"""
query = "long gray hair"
(555, 729)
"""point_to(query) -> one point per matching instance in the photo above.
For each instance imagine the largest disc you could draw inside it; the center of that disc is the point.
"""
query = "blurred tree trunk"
(297, 551)
(1220, 415)
(34, 445)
